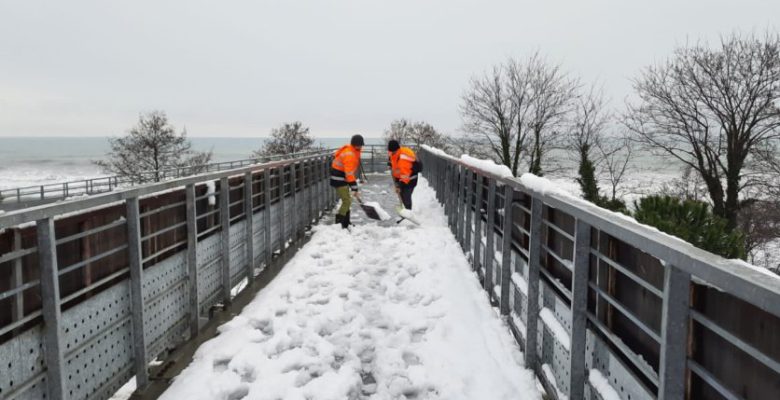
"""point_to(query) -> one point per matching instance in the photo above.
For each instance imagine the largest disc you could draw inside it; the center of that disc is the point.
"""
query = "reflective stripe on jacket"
(401, 162)
(345, 165)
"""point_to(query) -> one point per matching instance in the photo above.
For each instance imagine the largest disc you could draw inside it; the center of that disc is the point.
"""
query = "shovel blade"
(370, 212)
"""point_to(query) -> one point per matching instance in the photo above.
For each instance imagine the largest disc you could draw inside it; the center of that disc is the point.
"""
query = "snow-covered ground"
(383, 312)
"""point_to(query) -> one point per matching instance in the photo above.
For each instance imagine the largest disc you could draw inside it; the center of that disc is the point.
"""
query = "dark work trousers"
(406, 193)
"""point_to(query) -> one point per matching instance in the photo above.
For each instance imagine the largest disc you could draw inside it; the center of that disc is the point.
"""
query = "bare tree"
(552, 96)
(615, 156)
(289, 138)
(759, 220)
(487, 111)
(517, 105)
(587, 125)
(765, 175)
(415, 133)
(150, 148)
(711, 109)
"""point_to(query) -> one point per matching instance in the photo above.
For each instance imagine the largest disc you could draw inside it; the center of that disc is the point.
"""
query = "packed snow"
(550, 377)
(601, 385)
(488, 166)
(211, 190)
(378, 312)
(560, 333)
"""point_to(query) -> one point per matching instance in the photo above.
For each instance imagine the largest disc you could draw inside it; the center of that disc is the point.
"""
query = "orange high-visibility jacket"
(344, 168)
(401, 162)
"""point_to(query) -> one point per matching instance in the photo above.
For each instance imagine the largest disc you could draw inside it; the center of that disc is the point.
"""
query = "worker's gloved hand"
(397, 189)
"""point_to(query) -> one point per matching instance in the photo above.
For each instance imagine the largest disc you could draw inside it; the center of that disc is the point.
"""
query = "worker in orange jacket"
(343, 176)
(403, 163)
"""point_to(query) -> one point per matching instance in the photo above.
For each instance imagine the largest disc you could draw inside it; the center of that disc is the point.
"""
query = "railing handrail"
(730, 275)
(26, 215)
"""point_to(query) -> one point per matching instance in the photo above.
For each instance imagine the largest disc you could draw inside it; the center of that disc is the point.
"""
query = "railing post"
(477, 260)
(281, 210)
(674, 334)
(532, 304)
(224, 216)
(579, 308)
(17, 311)
(50, 305)
(134, 257)
(451, 210)
(506, 249)
(440, 181)
(490, 249)
(322, 185)
(437, 183)
(295, 216)
(42, 195)
(461, 207)
(249, 245)
(192, 259)
(267, 215)
(467, 245)
(310, 186)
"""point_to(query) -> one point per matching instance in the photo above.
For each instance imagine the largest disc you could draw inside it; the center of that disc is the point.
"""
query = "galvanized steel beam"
(674, 334)
(192, 259)
(579, 309)
(52, 315)
(134, 257)
(224, 216)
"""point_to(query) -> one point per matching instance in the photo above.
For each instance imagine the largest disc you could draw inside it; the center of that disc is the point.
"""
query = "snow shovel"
(403, 213)
(370, 210)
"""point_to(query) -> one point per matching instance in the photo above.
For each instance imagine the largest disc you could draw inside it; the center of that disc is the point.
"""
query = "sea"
(32, 161)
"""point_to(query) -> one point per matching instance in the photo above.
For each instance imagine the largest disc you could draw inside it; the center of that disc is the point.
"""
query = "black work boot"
(345, 223)
(339, 217)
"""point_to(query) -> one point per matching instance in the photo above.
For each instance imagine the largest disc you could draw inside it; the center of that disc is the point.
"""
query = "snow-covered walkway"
(383, 312)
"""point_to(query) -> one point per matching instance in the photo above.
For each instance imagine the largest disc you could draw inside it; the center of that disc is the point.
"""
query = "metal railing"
(63, 190)
(92, 289)
(592, 296)
(374, 160)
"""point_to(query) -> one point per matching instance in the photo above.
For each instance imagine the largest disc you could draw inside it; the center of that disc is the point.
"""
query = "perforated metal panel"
(209, 272)
(275, 243)
(516, 297)
(259, 237)
(98, 343)
(238, 261)
(22, 366)
(550, 349)
(166, 290)
(496, 268)
(599, 356)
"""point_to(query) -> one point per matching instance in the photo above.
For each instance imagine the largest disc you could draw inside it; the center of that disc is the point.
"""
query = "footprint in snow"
(238, 393)
(418, 334)
(247, 374)
(410, 359)
(263, 325)
(221, 364)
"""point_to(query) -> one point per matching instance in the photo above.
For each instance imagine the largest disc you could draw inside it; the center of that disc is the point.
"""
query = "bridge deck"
(383, 312)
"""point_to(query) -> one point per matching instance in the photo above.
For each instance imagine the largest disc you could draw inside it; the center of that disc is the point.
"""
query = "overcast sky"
(239, 68)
